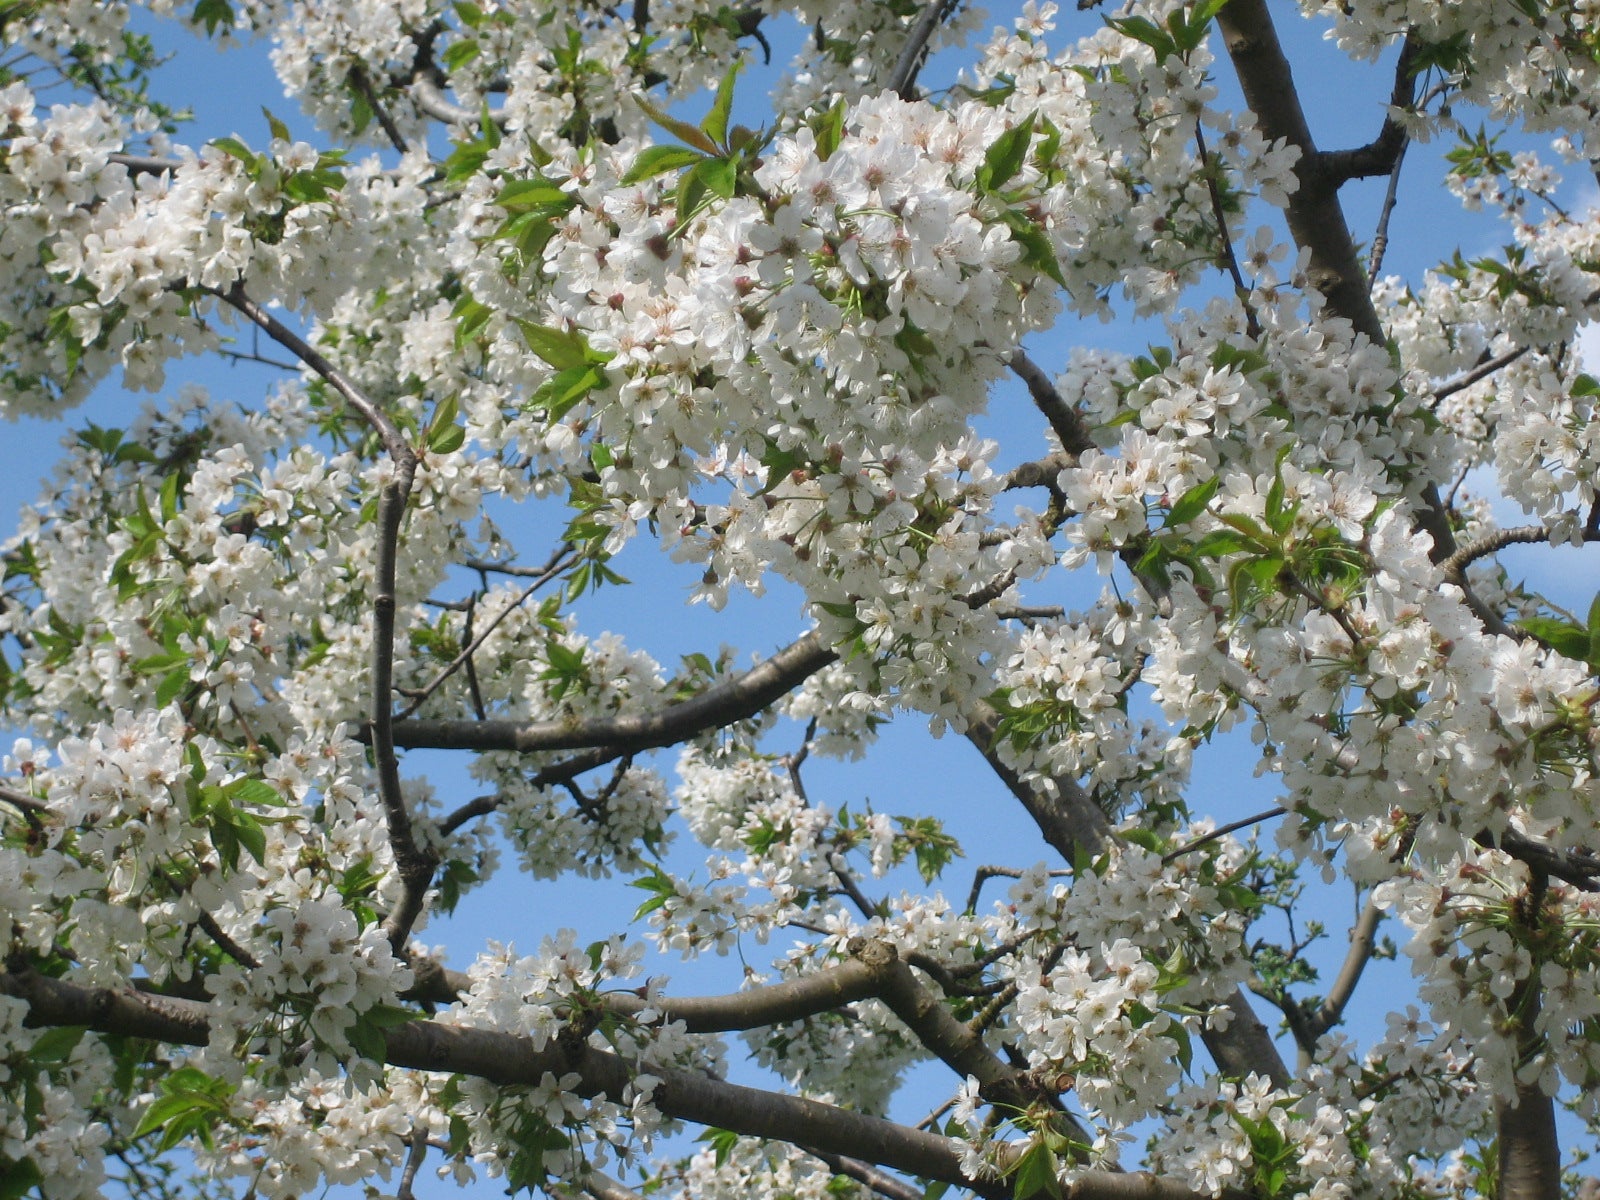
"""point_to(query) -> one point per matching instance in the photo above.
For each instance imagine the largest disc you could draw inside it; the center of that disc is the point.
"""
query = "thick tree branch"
(952, 1041)
(1316, 219)
(714, 708)
(1455, 566)
(509, 1060)
(903, 79)
(1529, 1146)
(1381, 155)
(775, 1004)
(29, 805)
(432, 102)
(145, 164)
(1068, 425)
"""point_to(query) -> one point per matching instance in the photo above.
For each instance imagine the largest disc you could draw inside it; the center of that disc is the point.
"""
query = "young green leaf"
(1005, 157)
(715, 125)
(680, 129)
(657, 160)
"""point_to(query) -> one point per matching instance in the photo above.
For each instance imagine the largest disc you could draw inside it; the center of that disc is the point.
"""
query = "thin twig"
(1223, 831)
(263, 360)
(983, 874)
(1485, 368)
(455, 664)
(1380, 237)
(414, 864)
(474, 689)
(225, 943)
(1229, 261)
(867, 1175)
(362, 84)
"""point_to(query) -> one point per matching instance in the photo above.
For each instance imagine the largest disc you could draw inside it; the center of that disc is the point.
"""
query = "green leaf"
(560, 394)
(17, 1179)
(562, 349)
(248, 833)
(721, 1141)
(447, 440)
(1141, 29)
(234, 148)
(470, 317)
(1005, 157)
(459, 53)
(716, 123)
(466, 160)
(213, 14)
(158, 663)
(1566, 638)
(534, 195)
(1192, 503)
(829, 130)
(172, 686)
(680, 129)
(191, 1104)
(1035, 1172)
(56, 1045)
(657, 160)
(1037, 251)
(444, 435)
(280, 131)
(720, 176)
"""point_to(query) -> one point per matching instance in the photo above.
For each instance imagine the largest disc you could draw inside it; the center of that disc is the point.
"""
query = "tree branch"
(887, 1186)
(1382, 155)
(1316, 219)
(511, 1060)
(1380, 236)
(1068, 425)
(432, 102)
(1071, 819)
(551, 570)
(1487, 367)
(144, 164)
(714, 708)
(29, 805)
(360, 81)
(904, 76)
(1363, 937)
(1455, 566)
(414, 864)
(1529, 1147)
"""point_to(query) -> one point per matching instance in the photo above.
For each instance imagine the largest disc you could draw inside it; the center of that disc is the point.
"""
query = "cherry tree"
(530, 265)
